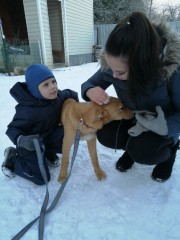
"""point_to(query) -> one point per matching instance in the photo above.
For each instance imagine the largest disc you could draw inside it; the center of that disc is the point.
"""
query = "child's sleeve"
(68, 93)
(20, 125)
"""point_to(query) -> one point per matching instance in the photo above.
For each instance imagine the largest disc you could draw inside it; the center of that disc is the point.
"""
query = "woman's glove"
(148, 122)
(27, 141)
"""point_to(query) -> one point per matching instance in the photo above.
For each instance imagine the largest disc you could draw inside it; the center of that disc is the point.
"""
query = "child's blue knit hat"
(35, 74)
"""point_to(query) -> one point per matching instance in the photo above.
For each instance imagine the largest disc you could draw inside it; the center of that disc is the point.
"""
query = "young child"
(37, 116)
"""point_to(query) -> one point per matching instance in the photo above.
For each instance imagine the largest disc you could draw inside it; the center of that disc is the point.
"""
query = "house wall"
(54, 10)
(56, 30)
(36, 13)
(80, 30)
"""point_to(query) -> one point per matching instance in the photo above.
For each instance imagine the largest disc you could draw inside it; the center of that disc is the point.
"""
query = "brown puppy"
(88, 118)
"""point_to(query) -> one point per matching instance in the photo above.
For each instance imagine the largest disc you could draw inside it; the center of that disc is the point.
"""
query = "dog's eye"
(121, 107)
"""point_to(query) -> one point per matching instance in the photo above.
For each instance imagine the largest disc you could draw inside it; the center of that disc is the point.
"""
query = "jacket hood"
(22, 95)
(36, 74)
(170, 54)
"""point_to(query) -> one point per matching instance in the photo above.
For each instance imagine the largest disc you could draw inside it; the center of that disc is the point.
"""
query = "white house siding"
(38, 28)
(80, 30)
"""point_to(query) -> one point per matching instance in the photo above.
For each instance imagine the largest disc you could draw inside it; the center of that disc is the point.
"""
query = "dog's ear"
(100, 116)
(94, 118)
(104, 116)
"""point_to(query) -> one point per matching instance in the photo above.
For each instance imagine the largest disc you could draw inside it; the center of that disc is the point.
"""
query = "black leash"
(40, 154)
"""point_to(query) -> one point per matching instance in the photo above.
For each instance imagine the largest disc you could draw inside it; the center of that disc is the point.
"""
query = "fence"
(102, 31)
(16, 54)
(175, 25)
(20, 56)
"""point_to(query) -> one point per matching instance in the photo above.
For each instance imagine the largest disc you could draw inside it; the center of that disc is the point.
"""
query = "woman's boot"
(162, 171)
(124, 163)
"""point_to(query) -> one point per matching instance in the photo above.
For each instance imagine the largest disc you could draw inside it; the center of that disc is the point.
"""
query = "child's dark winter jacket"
(33, 115)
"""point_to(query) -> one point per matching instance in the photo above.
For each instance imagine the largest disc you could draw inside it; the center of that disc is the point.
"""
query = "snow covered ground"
(125, 206)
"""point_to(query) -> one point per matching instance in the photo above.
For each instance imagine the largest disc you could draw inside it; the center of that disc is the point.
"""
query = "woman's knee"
(107, 135)
(149, 148)
(115, 134)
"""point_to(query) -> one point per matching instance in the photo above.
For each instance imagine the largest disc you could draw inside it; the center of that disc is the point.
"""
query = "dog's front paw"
(100, 174)
(62, 178)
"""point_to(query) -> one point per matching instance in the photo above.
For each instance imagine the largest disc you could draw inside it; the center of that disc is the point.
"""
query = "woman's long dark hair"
(136, 39)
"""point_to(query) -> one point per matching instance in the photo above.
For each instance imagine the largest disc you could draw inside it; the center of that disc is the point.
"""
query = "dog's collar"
(81, 122)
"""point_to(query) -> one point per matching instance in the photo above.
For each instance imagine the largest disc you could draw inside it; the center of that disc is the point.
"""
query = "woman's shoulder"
(176, 76)
(171, 48)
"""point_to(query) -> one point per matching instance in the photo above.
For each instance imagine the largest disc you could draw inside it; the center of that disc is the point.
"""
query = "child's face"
(48, 88)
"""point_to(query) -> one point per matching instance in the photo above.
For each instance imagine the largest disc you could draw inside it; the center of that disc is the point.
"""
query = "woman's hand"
(148, 122)
(97, 95)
